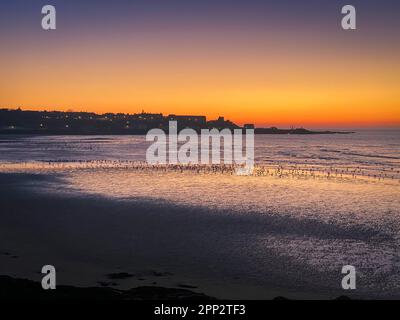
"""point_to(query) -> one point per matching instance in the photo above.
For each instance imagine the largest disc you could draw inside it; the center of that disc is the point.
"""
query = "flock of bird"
(277, 170)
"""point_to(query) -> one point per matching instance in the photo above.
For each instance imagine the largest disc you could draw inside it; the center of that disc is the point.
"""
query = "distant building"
(221, 123)
(199, 120)
(248, 126)
(110, 123)
(143, 116)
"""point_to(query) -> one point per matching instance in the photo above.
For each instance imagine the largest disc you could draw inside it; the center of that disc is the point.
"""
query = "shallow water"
(349, 213)
(371, 150)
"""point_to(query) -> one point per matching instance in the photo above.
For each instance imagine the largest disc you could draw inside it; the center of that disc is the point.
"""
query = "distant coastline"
(17, 121)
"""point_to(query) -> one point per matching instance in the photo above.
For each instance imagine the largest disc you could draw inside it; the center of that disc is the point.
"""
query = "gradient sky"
(266, 62)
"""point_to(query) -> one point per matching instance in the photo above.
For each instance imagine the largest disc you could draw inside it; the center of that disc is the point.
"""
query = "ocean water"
(321, 202)
(366, 151)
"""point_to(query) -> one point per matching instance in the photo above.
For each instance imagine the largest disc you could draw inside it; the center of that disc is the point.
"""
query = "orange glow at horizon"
(281, 86)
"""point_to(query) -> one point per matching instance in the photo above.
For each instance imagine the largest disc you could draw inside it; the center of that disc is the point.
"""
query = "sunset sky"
(275, 63)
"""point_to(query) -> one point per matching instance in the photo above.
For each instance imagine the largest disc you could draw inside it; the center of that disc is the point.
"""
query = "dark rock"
(119, 275)
(280, 298)
(343, 298)
(188, 286)
(22, 289)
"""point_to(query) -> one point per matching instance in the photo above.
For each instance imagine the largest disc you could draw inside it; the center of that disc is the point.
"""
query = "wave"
(359, 154)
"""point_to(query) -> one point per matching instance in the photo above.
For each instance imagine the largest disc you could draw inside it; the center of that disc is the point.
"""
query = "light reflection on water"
(321, 222)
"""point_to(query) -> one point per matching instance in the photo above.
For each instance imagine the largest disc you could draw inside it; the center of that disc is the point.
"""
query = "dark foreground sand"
(119, 245)
(22, 289)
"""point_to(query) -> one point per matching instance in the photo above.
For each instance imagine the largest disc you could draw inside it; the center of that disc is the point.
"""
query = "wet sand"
(90, 238)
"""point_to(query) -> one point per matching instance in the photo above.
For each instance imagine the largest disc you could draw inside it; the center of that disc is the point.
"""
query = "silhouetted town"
(17, 121)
